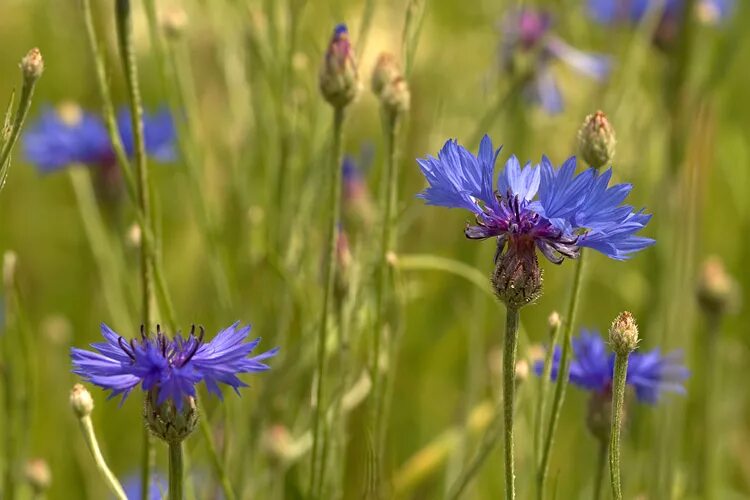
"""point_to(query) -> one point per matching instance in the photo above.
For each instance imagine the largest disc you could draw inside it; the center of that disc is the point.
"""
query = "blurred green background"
(258, 113)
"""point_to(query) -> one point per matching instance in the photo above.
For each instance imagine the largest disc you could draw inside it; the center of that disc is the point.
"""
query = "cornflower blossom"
(541, 206)
(709, 12)
(156, 490)
(649, 374)
(71, 136)
(170, 367)
(529, 32)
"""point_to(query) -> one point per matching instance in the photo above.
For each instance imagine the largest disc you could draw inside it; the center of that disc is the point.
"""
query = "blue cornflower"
(592, 366)
(157, 489)
(528, 31)
(172, 367)
(69, 135)
(549, 208)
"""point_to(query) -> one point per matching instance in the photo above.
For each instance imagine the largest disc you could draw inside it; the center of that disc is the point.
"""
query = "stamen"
(196, 344)
(122, 343)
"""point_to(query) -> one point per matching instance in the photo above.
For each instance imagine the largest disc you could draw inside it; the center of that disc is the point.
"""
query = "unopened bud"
(168, 422)
(10, 262)
(174, 22)
(623, 334)
(338, 78)
(554, 320)
(389, 84)
(81, 401)
(718, 292)
(596, 140)
(38, 475)
(32, 65)
(517, 280)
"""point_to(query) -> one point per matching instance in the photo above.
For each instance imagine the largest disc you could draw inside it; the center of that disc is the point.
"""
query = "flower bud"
(166, 421)
(554, 320)
(718, 292)
(38, 475)
(517, 279)
(389, 85)
(338, 78)
(81, 401)
(623, 334)
(32, 65)
(174, 22)
(596, 140)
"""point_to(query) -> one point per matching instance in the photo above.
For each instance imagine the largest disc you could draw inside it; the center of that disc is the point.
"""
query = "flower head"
(592, 366)
(528, 32)
(171, 367)
(543, 207)
(69, 135)
(670, 11)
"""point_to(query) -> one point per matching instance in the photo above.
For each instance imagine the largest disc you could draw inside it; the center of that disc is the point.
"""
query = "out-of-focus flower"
(170, 367)
(339, 78)
(592, 366)
(718, 292)
(389, 84)
(670, 14)
(527, 33)
(69, 135)
(358, 207)
(156, 490)
(38, 475)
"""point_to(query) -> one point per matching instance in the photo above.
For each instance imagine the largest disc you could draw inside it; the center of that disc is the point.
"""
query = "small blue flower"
(529, 31)
(553, 209)
(171, 366)
(69, 136)
(592, 368)
(633, 11)
(157, 489)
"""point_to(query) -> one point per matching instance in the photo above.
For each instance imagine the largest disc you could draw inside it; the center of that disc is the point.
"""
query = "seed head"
(596, 140)
(338, 78)
(623, 334)
(718, 292)
(32, 65)
(81, 401)
(389, 85)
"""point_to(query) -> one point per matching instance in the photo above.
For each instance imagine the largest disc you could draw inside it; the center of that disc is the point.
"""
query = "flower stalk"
(509, 394)
(562, 378)
(176, 472)
(618, 400)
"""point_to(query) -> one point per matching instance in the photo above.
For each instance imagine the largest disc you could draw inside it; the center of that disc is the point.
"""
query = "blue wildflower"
(69, 136)
(156, 491)
(172, 367)
(528, 31)
(592, 367)
(549, 208)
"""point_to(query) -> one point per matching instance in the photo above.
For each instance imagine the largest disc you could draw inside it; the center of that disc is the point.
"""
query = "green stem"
(9, 418)
(544, 384)
(618, 403)
(601, 465)
(24, 104)
(334, 208)
(388, 207)
(105, 256)
(175, 471)
(711, 397)
(123, 20)
(562, 378)
(509, 397)
(213, 455)
(87, 428)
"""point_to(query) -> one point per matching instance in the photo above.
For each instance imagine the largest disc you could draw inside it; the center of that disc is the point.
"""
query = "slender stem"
(9, 400)
(105, 256)
(334, 207)
(24, 103)
(388, 207)
(509, 397)
(213, 455)
(175, 471)
(601, 465)
(562, 378)
(544, 384)
(710, 396)
(123, 19)
(618, 403)
(87, 428)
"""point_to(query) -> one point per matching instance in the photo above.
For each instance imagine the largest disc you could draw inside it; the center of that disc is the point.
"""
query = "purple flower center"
(177, 352)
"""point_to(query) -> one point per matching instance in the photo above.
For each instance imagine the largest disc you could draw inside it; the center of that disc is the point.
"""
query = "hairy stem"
(509, 396)
(618, 403)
